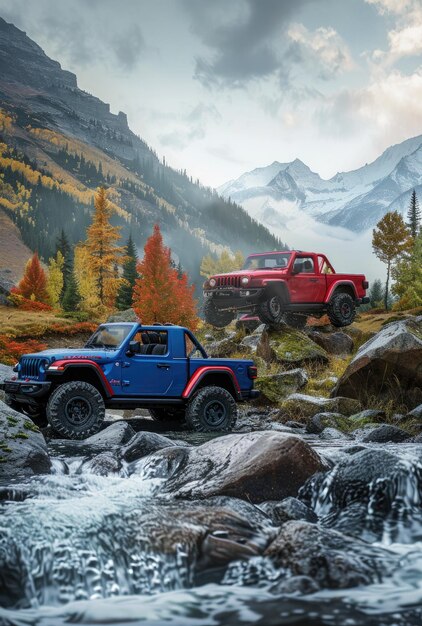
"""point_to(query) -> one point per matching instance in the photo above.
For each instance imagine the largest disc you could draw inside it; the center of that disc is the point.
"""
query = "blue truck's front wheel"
(76, 410)
(211, 409)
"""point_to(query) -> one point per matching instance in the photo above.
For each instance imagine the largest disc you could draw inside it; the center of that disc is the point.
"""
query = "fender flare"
(340, 283)
(201, 372)
(281, 284)
(64, 365)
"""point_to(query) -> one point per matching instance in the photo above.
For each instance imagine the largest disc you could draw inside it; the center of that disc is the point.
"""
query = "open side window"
(152, 342)
(304, 265)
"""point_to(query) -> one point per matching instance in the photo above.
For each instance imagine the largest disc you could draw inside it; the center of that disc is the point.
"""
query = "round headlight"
(244, 280)
(212, 282)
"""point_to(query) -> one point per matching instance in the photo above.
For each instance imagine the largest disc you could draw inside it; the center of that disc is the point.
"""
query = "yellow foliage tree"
(86, 281)
(55, 279)
(221, 265)
(390, 240)
(104, 255)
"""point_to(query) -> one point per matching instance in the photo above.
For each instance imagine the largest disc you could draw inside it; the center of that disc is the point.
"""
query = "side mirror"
(134, 347)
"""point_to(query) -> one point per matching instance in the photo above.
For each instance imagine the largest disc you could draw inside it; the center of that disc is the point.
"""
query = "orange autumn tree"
(33, 285)
(104, 254)
(159, 294)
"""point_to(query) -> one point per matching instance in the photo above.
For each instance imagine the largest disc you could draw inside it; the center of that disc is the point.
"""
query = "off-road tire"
(211, 409)
(76, 410)
(216, 318)
(341, 309)
(270, 311)
(295, 320)
(167, 414)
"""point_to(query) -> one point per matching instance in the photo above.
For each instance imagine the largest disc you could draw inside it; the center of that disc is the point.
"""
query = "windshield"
(276, 261)
(109, 336)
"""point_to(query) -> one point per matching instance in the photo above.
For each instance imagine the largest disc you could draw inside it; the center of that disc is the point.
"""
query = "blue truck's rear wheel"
(211, 409)
(76, 410)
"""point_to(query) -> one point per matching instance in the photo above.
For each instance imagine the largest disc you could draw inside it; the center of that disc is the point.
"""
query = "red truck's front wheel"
(215, 316)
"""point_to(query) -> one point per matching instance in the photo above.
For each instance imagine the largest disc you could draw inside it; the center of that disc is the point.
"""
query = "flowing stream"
(76, 547)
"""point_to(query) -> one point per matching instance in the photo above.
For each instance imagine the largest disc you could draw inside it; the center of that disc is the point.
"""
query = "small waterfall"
(386, 508)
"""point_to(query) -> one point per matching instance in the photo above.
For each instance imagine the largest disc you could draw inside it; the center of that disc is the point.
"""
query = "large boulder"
(292, 347)
(144, 443)
(274, 387)
(389, 365)
(115, 435)
(330, 558)
(254, 466)
(300, 406)
(333, 343)
(386, 433)
(23, 451)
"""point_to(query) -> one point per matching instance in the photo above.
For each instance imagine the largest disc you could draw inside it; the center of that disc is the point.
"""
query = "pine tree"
(159, 296)
(124, 296)
(104, 254)
(414, 215)
(408, 278)
(375, 294)
(33, 285)
(390, 240)
(71, 297)
(55, 279)
(63, 246)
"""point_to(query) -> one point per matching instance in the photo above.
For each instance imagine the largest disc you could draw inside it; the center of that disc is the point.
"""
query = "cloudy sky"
(221, 86)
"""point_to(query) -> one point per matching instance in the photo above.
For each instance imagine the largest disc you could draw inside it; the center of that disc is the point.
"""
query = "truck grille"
(228, 281)
(30, 366)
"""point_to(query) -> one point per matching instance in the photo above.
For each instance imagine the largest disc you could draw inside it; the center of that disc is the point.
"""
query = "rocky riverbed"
(309, 513)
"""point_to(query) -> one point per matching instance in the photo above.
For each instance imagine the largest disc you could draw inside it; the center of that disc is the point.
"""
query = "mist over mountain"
(58, 143)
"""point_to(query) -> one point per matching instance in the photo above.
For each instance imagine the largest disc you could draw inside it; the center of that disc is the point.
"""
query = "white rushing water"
(76, 547)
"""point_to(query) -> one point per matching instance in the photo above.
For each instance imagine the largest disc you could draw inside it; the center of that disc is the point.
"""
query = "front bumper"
(231, 297)
(26, 391)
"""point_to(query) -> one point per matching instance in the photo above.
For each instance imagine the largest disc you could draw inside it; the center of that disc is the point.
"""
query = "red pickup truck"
(284, 287)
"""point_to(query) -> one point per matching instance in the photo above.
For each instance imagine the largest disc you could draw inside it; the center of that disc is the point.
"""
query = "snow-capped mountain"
(353, 200)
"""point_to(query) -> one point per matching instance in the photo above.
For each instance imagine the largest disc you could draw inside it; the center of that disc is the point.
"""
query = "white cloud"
(325, 46)
(406, 38)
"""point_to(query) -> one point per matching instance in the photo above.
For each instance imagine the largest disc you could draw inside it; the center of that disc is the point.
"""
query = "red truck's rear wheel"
(211, 409)
(342, 309)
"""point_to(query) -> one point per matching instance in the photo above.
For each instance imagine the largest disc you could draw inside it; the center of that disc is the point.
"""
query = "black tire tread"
(193, 410)
(219, 319)
(334, 309)
(53, 410)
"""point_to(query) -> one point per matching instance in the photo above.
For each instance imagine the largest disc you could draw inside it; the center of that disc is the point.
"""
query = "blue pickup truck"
(126, 366)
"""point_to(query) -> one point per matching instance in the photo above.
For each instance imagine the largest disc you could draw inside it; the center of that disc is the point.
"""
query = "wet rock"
(6, 371)
(144, 443)
(114, 435)
(287, 510)
(330, 434)
(328, 557)
(416, 413)
(386, 433)
(318, 422)
(23, 450)
(295, 585)
(388, 365)
(257, 342)
(102, 464)
(274, 387)
(333, 343)
(291, 346)
(255, 466)
(300, 405)
(369, 416)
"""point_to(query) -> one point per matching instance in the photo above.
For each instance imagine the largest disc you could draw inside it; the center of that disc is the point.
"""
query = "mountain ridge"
(58, 143)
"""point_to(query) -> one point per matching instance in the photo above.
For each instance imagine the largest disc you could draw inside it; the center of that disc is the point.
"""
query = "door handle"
(163, 366)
